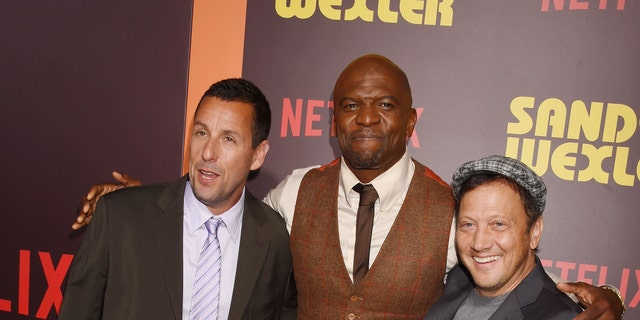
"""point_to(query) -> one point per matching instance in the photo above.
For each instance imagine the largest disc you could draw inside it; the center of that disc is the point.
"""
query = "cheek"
(462, 241)
(236, 159)
(509, 242)
(342, 120)
(194, 152)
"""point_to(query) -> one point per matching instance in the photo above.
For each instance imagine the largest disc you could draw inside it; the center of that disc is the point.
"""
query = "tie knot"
(368, 194)
(212, 225)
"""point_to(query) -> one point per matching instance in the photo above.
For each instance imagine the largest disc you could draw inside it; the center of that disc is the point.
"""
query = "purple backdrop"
(553, 83)
(85, 88)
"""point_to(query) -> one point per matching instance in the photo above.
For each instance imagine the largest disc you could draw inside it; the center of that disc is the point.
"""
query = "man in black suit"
(139, 258)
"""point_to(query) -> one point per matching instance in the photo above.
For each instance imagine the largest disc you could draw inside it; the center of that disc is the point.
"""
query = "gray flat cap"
(508, 167)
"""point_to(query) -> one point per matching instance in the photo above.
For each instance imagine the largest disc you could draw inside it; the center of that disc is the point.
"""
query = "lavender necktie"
(206, 287)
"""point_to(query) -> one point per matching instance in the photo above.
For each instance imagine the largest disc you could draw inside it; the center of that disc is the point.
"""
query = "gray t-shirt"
(477, 307)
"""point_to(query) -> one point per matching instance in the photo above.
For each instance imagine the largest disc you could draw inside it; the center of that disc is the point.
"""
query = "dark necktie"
(364, 225)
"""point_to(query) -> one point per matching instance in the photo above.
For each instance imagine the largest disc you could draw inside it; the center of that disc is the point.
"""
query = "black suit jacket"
(129, 265)
(535, 298)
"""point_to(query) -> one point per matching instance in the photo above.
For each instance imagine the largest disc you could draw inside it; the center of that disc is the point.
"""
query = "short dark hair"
(485, 177)
(242, 90)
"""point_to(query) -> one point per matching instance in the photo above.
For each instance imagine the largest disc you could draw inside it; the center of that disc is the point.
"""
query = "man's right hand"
(96, 192)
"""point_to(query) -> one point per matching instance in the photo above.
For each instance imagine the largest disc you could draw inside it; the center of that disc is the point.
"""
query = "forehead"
(372, 76)
(227, 113)
(493, 197)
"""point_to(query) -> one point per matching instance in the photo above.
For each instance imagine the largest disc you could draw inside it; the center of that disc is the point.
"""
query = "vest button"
(354, 298)
(351, 316)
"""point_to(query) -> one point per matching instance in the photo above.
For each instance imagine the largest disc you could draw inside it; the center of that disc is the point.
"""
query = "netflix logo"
(314, 118)
(54, 274)
(574, 5)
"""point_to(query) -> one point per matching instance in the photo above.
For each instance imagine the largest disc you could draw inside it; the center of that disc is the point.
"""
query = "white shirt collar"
(385, 184)
(196, 213)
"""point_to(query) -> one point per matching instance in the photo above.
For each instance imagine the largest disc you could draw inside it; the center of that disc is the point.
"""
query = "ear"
(413, 119)
(535, 233)
(259, 154)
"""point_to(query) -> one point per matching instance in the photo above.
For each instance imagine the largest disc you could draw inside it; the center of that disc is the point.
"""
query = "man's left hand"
(599, 303)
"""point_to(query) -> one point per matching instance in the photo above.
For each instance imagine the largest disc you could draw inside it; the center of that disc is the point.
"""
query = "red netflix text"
(314, 118)
(628, 281)
(560, 5)
(54, 274)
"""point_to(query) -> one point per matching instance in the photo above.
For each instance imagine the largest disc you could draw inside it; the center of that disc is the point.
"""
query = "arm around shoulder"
(600, 303)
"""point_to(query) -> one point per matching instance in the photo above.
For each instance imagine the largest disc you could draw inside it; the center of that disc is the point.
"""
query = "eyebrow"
(225, 131)
(380, 98)
(199, 123)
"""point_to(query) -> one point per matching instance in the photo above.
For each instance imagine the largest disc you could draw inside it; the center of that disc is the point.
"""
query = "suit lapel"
(525, 294)
(254, 244)
(167, 229)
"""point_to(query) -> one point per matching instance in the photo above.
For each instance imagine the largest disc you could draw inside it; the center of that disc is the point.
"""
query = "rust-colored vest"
(407, 276)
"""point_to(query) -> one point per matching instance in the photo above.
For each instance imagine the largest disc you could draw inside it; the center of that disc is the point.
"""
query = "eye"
(500, 225)
(229, 139)
(200, 133)
(465, 226)
(350, 106)
(386, 105)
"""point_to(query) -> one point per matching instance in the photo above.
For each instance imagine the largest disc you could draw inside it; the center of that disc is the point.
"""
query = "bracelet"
(617, 292)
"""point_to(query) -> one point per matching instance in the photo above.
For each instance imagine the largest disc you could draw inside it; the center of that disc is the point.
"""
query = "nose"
(481, 240)
(210, 150)
(368, 114)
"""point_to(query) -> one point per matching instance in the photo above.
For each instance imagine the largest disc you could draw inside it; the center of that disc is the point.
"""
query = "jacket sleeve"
(290, 303)
(86, 284)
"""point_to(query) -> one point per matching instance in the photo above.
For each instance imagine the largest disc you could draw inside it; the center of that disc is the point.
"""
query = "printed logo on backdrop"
(573, 5)
(627, 280)
(551, 135)
(54, 274)
(418, 12)
(309, 118)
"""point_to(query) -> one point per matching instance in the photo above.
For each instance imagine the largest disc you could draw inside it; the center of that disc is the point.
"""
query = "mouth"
(483, 260)
(207, 175)
(366, 136)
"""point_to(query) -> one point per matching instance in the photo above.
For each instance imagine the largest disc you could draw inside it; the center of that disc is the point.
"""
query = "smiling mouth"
(486, 259)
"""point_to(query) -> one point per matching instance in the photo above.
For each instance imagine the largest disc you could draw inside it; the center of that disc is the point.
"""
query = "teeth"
(486, 259)
(206, 172)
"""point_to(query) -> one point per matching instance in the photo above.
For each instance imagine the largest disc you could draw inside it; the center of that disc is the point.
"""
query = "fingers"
(96, 192)
(597, 311)
(91, 193)
(588, 314)
(125, 179)
(579, 289)
(88, 203)
(87, 208)
(122, 178)
(80, 223)
(599, 304)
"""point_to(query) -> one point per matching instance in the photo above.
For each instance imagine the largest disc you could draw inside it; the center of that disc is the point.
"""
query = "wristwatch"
(617, 292)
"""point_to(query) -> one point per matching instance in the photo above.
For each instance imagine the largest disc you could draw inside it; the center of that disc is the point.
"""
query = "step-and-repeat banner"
(553, 83)
(91, 87)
